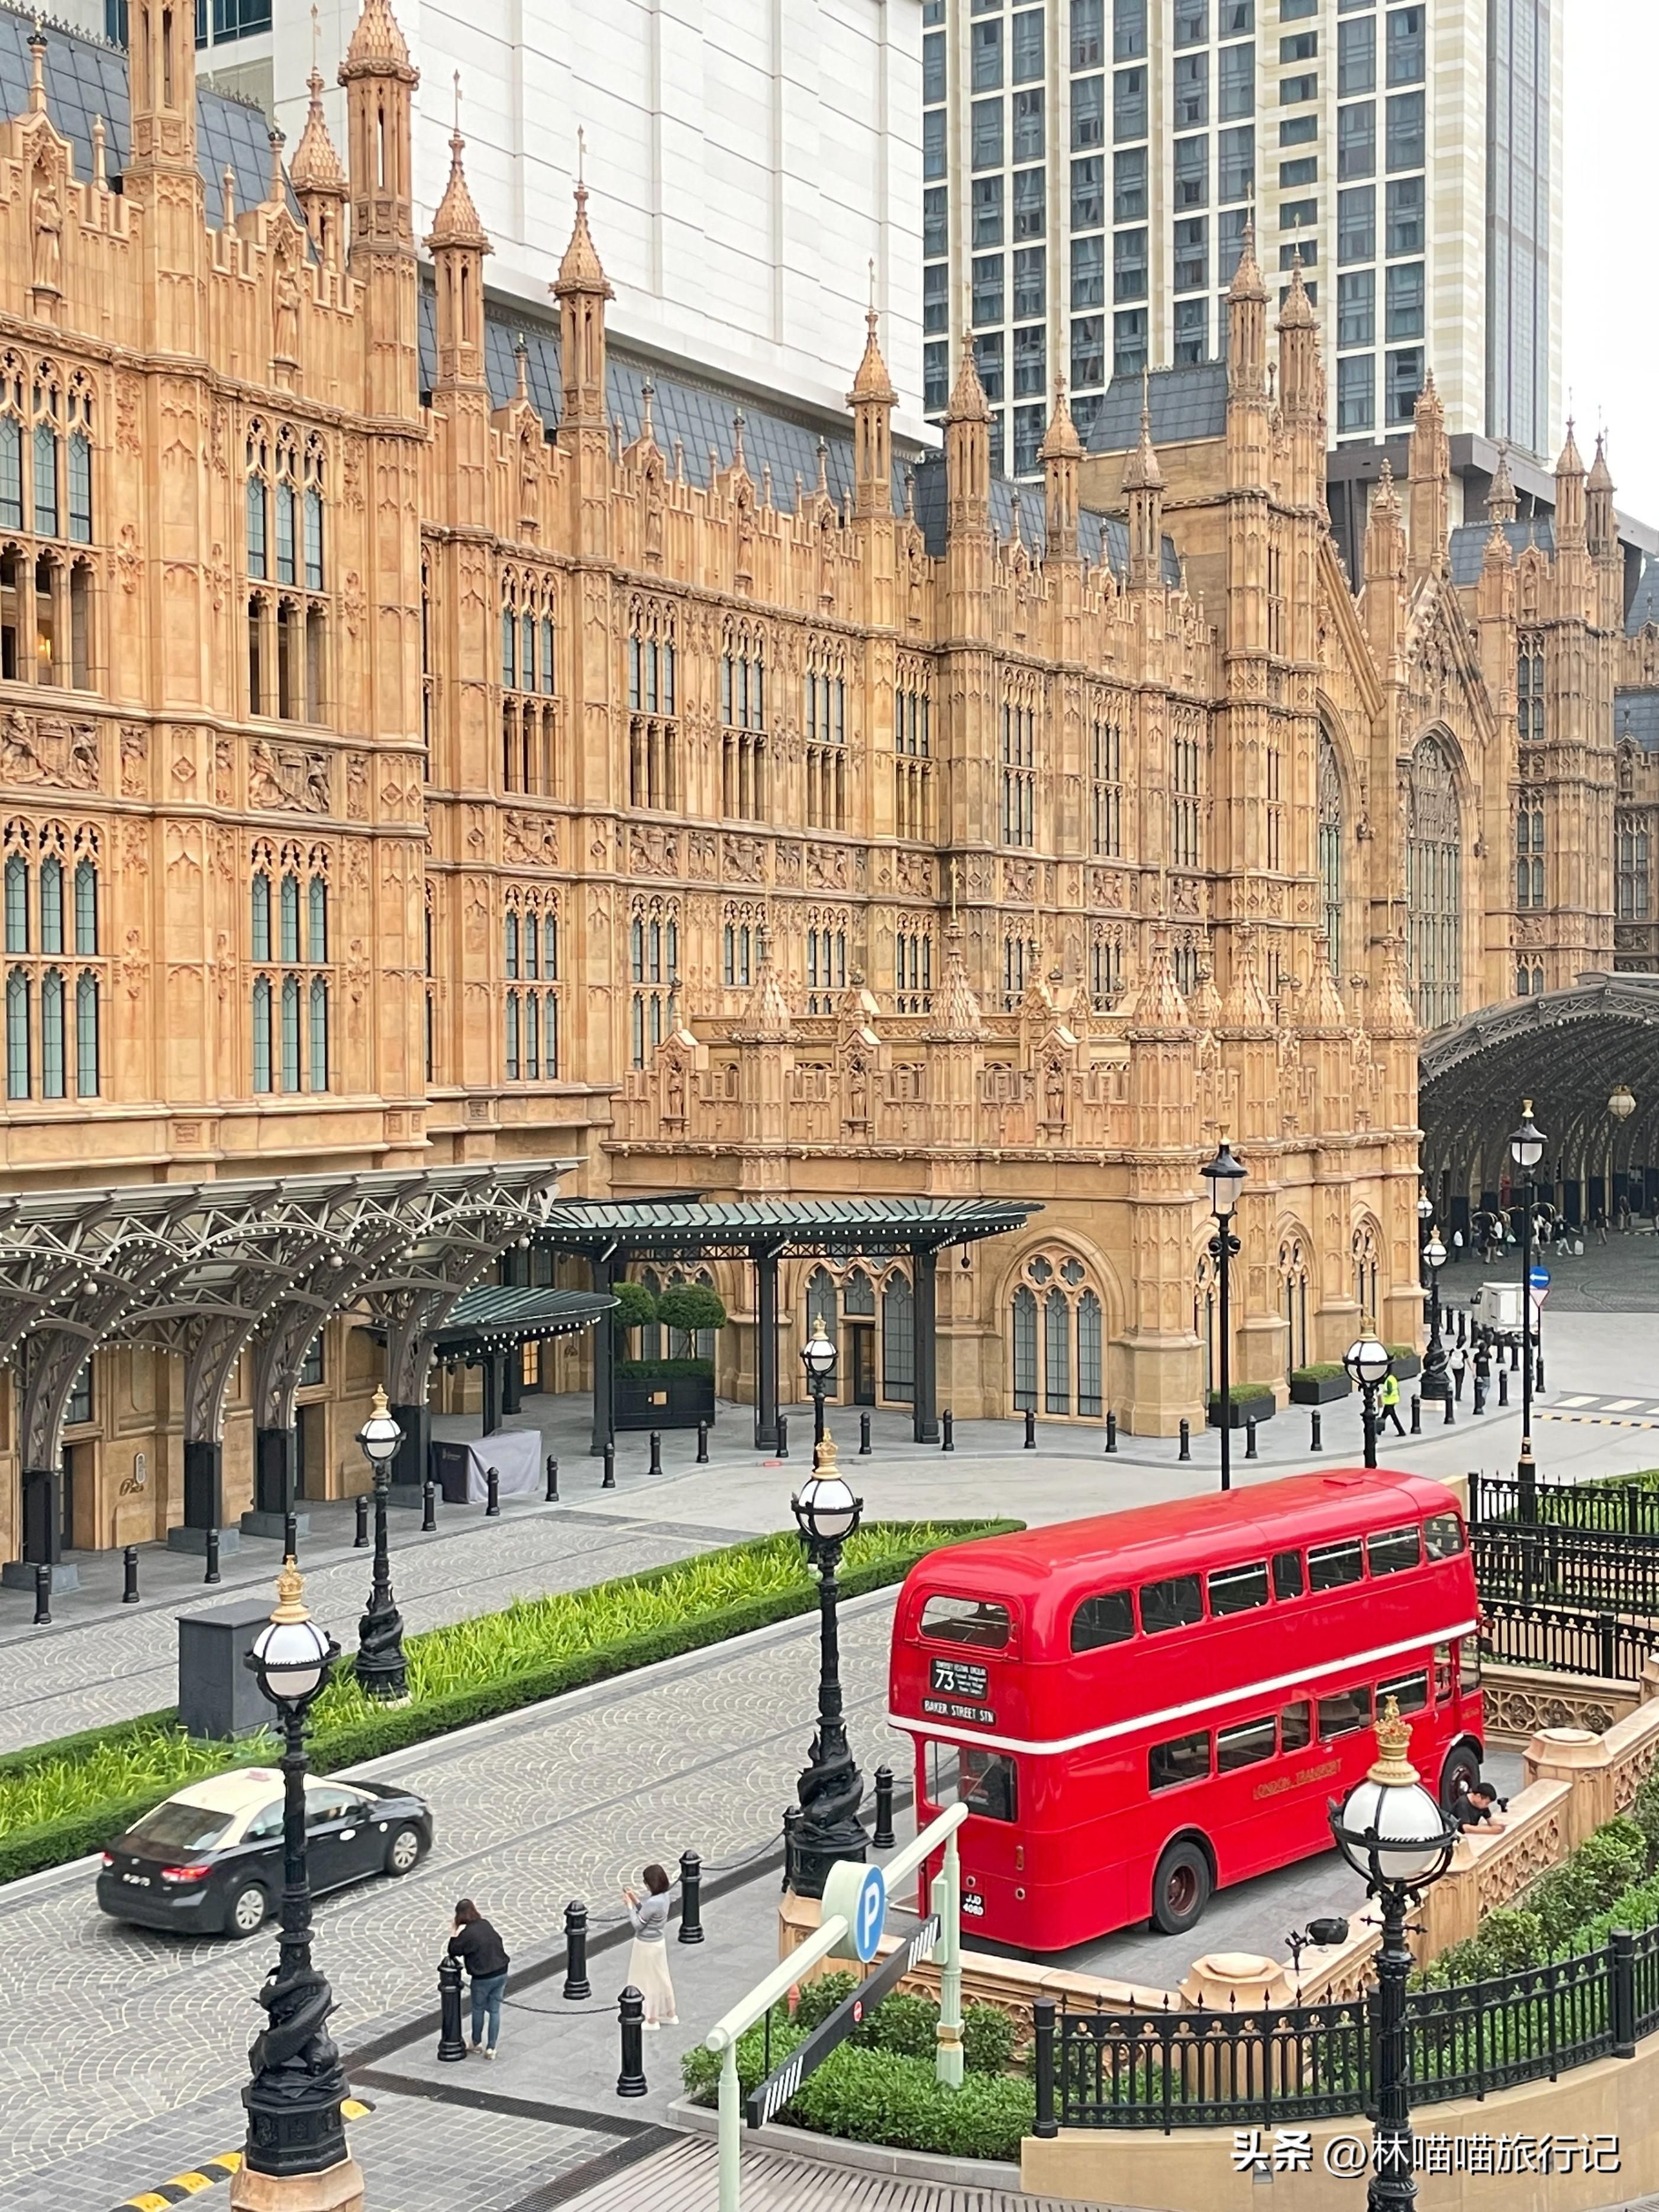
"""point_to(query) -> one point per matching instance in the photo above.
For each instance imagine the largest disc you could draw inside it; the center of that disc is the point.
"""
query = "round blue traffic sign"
(859, 1894)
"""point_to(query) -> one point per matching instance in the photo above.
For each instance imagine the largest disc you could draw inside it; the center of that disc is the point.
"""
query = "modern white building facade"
(749, 160)
(1090, 166)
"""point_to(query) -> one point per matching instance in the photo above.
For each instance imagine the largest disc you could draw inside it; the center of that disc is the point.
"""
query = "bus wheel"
(1462, 1766)
(1180, 1887)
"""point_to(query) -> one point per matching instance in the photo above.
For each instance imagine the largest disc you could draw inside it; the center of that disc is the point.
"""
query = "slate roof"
(84, 77)
(1644, 601)
(1468, 543)
(519, 1312)
(1100, 537)
(1185, 404)
(1636, 715)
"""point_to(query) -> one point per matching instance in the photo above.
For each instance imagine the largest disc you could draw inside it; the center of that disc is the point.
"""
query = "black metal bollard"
(1030, 1429)
(1416, 1414)
(1042, 2020)
(608, 1481)
(1538, 1375)
(947, 1431)
(1111, 1434)
(290, 1537)
(1503, 1386)
(884, 1837)
(1186, 1452)
(43, 1598)
(428, 1508)
(691, 1898)
(1447, 1422)
(1249, 1440)
(656, 1451)
(1462, 1320)
(212, 1548)
(630, 2014)
(552, 1478)
(702, 1443)
(576, 1984)
(1515, 1357)
(451, 2043)
(360, 1541)
(783, 1436)
(864, 1436)
(129, 1575)
(493, 1490)
(1316, 1426)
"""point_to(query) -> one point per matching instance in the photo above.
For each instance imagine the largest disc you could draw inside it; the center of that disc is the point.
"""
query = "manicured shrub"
(636, 1306)
(819, 1997)
(1613, 1860)
(903, 2023)
(1645, 1814)
(879, 2096)
(691, 1306)
(653, 1371)
(1321, 1370)
(988, 2039)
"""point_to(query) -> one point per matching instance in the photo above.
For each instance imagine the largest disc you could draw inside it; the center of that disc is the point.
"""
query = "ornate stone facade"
(394, 774)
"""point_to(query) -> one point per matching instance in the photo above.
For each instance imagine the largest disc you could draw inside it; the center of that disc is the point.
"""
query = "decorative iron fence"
(1540, 1564)
(1571, 1643)
(1267, 2066)
(1610, 1509)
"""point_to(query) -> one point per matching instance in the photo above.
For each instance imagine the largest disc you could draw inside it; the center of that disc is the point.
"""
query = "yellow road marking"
(213, 2170)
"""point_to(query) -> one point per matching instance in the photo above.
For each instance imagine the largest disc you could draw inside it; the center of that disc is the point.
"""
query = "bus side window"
(1446, 1533)
(1243, 1746)
(1108, 1618)
(1344, 1711)
(943, 1773)
(1409, 1691)
(1238, 1590)
(1176, 1603)
(1465, 1664)
(1392, 1549)
(1184, 1758)
(1443, 1673)
(1287, 1574)
(988, 1783)
(1295, 1732)
(1333, 1567)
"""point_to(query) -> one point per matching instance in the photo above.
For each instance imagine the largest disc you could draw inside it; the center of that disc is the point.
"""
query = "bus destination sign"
(960, 1678)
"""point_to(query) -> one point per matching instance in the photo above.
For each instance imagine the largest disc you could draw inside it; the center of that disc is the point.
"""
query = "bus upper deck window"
(1331, 1566)
(1392, 1549)
(1445, 1535)
(1287, 1574)
(1244, 1746)
(1409, 1691)
(1238, 1590)
(1295, 1727)
(988, 1783)
(1108, 1618)
(1183, 1759)
(1176, 1603)
(966, 1620)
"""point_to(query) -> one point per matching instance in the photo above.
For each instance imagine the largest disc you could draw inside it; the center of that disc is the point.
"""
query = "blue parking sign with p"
(859, 1894)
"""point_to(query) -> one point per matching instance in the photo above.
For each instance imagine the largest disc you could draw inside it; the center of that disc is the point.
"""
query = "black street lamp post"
(830, 1787)
(1437, 1375)
(1391, 1831)
(379, 1662)
(1526, 1150)
(818, 1358)
(1223, 1174)
(1367, 1363)
(294, 2099)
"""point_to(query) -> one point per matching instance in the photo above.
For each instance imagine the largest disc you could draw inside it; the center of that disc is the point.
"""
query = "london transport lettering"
(1291, 2150)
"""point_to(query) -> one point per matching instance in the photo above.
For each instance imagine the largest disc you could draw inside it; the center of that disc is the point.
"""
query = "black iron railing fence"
(1609, 1509)
(1267, 2066)
(1569, 1641)
(1542, 1565)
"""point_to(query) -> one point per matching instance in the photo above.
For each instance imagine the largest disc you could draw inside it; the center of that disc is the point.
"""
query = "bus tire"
(1460, 1767)
(1180, 1887)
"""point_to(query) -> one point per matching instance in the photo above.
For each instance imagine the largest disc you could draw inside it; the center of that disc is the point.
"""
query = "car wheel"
(247, 1911)
(1180, 1887)
(1461, 1767)
(403, 1851)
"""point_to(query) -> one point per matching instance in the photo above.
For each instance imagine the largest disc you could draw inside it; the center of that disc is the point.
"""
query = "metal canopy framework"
(609, 1232)
(209, 1270)
(1567, 1050)
(497, 1318)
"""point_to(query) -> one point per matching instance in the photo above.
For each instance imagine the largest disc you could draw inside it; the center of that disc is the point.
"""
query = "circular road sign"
(859, 1894)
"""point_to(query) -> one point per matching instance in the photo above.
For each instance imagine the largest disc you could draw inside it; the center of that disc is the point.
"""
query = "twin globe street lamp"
(1527, 1150)
(379, 1662)
(1223, 1174)
(1436, 1374)
(293, 2101)
(1367, 1362)
(1399, 1839)
(830, 1787)
(818, 1358)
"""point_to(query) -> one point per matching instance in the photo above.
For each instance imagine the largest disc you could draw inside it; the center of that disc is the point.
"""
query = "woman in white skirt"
(647, 1961)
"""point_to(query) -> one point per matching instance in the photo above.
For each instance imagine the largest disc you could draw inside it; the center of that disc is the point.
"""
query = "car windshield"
(177, 1826)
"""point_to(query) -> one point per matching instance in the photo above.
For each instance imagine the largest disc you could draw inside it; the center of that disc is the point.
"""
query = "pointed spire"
(1204, 1008)
(1061, 441)
(872, 383)
(1386, 500)
(378, 46)
(822, 487)
(37, 69)
(647, 415)
(228, 197)
(582, 270)
(1157, 1008)
(456, 223)
(1143, 472)
(1571, 463)
(739, 459)
(277, 187)
(1246, 1006)
(316, 168)
(765, 1019)
(1569, 503)
(872, 400)
(99, 154)
(968, 403)
(1391, 1012)
(1246, 283)
(1324, 1013)
(1297, 313)
(1601, 476)
(958, 1020)
(520, 369)
(1500, 493)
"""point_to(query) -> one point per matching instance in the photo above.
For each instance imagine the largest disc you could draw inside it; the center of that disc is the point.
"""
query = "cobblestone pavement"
(110, 2031)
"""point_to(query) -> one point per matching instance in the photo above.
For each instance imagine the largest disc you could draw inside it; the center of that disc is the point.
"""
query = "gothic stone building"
(419, 745)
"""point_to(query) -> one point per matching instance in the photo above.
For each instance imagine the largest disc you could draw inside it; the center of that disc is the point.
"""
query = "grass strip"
(61, 1800)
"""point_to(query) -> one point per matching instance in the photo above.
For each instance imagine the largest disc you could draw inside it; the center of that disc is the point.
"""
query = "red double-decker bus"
(1141, 1708)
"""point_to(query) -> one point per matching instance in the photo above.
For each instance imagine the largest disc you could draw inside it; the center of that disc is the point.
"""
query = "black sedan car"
(209, 1861)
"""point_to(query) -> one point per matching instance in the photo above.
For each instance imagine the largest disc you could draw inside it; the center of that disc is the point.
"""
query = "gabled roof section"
(694, 1226)
(1102, 539)
(1644, 600)
(1186, 403)
(1468, 544)
(1636, 716)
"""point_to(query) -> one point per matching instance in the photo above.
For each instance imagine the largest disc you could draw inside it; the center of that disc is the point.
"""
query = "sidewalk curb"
(866, 2158)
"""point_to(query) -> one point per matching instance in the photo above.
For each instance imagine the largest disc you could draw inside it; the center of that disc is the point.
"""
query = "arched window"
(78, 482)
(290, 1032)
(1434, 948)
(1025, 1357)
(1205, 1318)
(261, 1034)
(51, 905)
(654, 959)
(858, 1296)
(1057, 1283)
(258, 503)
(1365, 1274)
(1529, 850)
(86, 909)
(17, 1034)
(1529, 687)
(1056, 1352)
(1330, 851)
(48, 402)
(86, 1049)
(52, 1035)
(317, 1054)
(288, 935)
(317, 930)
(262, 917)
(898, 1341)
(1293, 1301)
(1090, 1358)
(17, 903)
(291, 1009)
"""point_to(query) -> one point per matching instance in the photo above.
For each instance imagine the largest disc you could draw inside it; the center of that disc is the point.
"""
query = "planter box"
(664, 1401)
(1320, 1389)
(1404, 1365)
(1242, 1410)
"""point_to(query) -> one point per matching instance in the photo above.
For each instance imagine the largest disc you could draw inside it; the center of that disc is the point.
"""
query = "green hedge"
(61, 1800)
(651, 1370)
(1243, 1392)
(1323, 1370)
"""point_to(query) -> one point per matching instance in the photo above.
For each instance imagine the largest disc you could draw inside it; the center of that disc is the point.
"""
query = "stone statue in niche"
(858, 1091)
(286, 298)
(653, 509)
(674, 1092)
(46, 212)
(1054, 1093)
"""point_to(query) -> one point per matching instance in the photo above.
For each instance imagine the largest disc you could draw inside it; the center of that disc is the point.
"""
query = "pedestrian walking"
(1601, 1224)
(1389, 1401)
(647, 1961)
(1460, 1367)
(481, 1951)
(1482, 1373)
(1457, 1246)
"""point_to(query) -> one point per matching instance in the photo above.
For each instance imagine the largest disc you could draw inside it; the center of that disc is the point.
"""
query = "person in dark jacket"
(481, 1951)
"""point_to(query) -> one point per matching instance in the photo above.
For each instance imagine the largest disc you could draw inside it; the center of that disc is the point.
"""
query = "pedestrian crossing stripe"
(1595, 1421)
(184, 2187)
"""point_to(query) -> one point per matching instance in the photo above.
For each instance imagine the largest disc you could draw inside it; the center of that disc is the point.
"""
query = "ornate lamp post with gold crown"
(379, 1662)
(1392, 1831)
(296, 2154)
(830, 1787)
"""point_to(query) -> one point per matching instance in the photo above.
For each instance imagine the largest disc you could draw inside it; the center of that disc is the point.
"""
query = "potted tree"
(1319, 1384)
(1247, 1401)
(662, 1392)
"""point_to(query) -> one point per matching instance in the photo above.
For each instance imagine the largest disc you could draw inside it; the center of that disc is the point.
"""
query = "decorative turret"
(957, 1020)
(1246, 1011)
(872, 400)
(765, 1019)
(967, 449)
(161, 87)
(1429, 485)
(1247, 324)
(1157, 1008)
(1061, 452)
(457, 245)
(1600, 524)
(1385, 568)
(318, 180)
(1301, 391)
(1500, 493)
(1143, 480)
(379, 80)
(1570, 493)
(582, 289)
